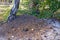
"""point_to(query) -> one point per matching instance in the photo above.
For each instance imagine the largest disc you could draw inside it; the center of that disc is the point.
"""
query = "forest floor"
(26, 27)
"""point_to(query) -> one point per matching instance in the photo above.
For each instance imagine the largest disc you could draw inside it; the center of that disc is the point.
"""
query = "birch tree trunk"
(13, 11)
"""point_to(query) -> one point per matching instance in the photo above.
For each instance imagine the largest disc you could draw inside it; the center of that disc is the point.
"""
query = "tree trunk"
(13, 11)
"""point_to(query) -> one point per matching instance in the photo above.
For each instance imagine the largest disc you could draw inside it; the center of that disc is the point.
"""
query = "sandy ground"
(27, 27)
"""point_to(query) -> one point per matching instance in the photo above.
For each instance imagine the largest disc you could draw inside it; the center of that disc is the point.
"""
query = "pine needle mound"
(26, 27)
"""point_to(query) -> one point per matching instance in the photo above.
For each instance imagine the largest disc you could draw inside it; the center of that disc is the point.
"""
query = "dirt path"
(27, 27)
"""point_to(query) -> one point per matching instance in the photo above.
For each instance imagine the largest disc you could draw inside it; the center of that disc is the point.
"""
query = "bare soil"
(27, 27)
